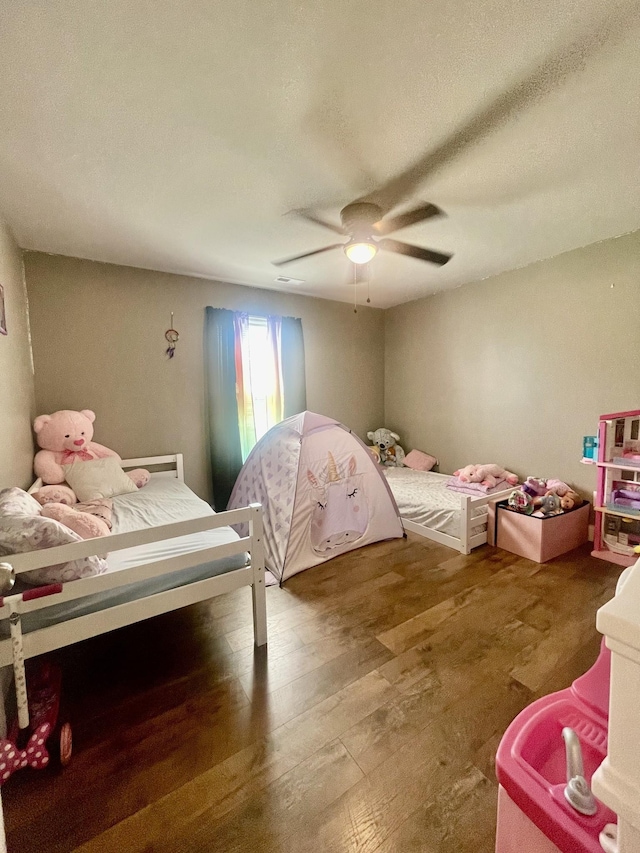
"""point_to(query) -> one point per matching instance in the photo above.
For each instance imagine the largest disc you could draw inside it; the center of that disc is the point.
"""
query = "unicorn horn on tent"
(332, 469)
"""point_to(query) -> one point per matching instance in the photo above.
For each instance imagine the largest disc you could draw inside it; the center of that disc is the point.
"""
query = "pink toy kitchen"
(568, 766)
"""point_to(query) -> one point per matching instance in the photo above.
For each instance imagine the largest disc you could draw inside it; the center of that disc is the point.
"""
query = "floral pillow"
(18, 502)
(21, 532)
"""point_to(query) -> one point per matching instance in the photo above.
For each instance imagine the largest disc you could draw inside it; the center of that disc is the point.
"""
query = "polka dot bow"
(34, 754)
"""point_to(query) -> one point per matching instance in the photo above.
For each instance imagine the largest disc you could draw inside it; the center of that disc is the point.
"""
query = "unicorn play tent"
(321, 491)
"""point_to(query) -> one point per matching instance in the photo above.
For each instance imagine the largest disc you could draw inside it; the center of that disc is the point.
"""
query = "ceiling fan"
(362, 221)
(363, 224)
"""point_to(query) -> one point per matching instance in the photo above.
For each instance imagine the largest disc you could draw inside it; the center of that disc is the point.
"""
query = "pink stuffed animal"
(55, 495)
(467, 474)
(488, 475)
(559, 487)
(85, 525)
(66, 437)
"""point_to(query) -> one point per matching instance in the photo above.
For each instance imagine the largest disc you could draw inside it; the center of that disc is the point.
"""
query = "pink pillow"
(420, 461)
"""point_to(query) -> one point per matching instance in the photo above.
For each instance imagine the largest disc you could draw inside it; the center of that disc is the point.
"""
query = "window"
(255, 377)
(258, 377)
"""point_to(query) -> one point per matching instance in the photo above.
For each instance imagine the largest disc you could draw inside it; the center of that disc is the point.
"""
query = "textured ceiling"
(176, 136)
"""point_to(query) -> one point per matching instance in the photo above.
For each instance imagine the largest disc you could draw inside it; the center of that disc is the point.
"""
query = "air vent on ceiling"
(284, 279)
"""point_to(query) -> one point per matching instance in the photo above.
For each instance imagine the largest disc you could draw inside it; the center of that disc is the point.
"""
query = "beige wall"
(516, 369)
(98, 333)
(16, 372)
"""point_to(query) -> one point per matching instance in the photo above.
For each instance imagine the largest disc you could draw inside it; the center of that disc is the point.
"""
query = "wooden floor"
(370, 724)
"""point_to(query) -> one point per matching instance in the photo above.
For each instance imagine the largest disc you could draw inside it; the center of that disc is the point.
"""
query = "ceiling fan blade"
(339, 140)
(418, 214)
(311, 217)
(414, 251)
(306, 255)
(555, 70)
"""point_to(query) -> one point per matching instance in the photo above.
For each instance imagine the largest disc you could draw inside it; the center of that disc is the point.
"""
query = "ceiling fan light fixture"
(360, 251)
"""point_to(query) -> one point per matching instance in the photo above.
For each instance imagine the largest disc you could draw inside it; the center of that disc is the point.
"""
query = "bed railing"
(170, 465)
(475, 513)
(82, 627)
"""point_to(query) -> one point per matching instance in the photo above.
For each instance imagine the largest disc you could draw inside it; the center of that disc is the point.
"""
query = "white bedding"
(423, 497)
(164, 500)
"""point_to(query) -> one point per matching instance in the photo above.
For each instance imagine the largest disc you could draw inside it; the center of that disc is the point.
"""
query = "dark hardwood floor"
(369, 724)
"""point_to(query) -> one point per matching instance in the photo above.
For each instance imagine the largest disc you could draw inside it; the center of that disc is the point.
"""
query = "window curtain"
(247, 395)
(225, 452)
(294, 384)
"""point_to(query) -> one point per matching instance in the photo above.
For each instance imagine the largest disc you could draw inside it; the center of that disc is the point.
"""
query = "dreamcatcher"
(172, 338)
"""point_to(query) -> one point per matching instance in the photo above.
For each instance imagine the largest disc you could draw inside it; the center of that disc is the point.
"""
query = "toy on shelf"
(590, 448)
(617, 522)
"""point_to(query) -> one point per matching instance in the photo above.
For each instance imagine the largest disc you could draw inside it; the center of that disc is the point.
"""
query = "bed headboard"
(169, 466)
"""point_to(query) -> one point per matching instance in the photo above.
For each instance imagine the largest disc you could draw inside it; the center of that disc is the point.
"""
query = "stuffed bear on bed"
(391, 454)
(65, 437)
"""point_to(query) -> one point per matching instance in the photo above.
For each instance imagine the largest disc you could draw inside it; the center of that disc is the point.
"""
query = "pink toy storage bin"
(533, 814)
(537, 539)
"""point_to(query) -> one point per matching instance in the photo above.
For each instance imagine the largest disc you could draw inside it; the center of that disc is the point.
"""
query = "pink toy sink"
(531, 762)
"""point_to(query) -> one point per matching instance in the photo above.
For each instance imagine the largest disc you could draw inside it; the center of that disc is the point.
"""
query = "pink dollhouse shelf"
(618, 436)
(610, 465)
(623, 513)
(632, 414)
(620, 559)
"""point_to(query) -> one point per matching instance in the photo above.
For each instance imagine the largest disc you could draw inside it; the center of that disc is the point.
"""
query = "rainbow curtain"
(258, 364)
(255, 377)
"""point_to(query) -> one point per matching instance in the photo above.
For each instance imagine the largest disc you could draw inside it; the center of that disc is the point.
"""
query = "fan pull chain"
(355, 289)
(368, 284)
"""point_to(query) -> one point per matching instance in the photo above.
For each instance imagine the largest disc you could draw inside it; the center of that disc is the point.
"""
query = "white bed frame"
(82, 627)
(19, 647)
(469, 519)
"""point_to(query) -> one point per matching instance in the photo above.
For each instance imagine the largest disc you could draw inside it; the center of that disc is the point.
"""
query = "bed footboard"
(474, 513)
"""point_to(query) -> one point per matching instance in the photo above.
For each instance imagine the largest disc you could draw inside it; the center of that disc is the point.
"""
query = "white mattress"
(164, 500)
(423, 498)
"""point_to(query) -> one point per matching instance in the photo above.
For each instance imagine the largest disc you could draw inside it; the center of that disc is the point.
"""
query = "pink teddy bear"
(66, 437)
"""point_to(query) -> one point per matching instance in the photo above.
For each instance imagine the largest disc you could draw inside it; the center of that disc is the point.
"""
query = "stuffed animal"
(85, 525)
(534, 487)
(488, 475)
(66, 437)
(55, 495)
(548, 504)
(520, 501)
(558, 488)
(391, 454)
